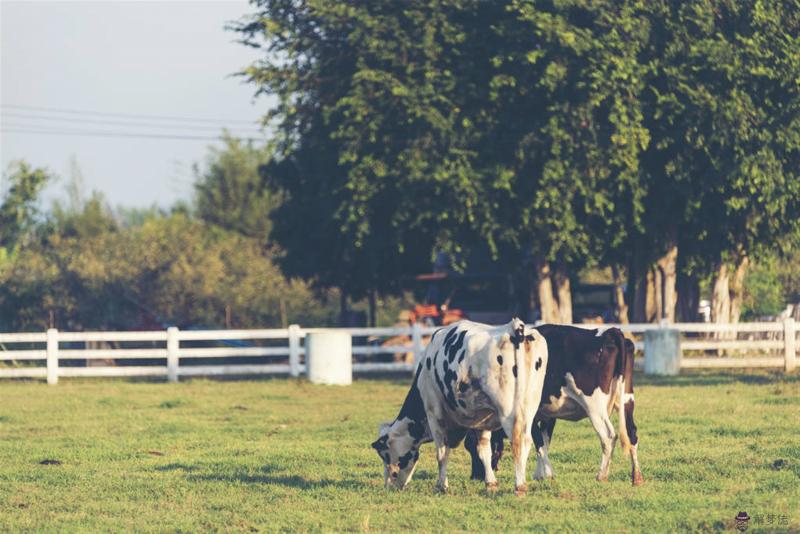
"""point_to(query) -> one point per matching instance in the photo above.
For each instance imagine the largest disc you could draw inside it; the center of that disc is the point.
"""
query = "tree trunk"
(720, 296)
(688, 298)
(342, 307)
(548, 306)
(282, 309)
(619, 296)
(372, 307)
(657, 290)
(668, 295)
(737, 287)
(650, 296)
(564, 294)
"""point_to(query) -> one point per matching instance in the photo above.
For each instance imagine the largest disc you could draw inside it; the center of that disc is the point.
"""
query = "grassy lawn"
(277, 455)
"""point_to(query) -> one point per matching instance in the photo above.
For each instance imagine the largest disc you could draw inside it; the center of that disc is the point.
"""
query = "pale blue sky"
(141, 58)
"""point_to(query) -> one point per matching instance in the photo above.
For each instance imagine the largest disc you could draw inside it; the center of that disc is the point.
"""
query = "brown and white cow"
(589, 374)
(472, 376)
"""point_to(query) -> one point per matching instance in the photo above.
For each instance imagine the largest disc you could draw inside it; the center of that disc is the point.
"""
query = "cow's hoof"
(521, 491)
(602, 477)
(440, 489)
(491, 487)
(638, 479)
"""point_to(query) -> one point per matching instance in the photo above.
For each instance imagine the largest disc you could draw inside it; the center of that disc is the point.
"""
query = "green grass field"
(278, 455)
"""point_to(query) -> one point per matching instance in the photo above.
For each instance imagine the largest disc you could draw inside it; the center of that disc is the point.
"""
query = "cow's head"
(398, 446)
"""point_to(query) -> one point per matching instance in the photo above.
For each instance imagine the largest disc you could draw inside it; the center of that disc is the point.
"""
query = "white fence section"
(178, 353)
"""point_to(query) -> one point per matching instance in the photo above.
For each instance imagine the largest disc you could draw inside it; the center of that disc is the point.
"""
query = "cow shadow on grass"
(274, 475)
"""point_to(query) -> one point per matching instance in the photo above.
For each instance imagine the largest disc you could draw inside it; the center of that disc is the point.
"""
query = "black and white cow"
(589, 374)
(471, 376)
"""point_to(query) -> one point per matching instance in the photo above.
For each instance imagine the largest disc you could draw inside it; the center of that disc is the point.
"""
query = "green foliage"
(764, 294)
(169, 270)
(288, 456)
(511, 124)
(773, 282)
(229, 192)
(18, 208)
(724, 116)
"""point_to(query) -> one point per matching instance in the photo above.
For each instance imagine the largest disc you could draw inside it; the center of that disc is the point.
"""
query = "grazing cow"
(589, 374)
(472, 376)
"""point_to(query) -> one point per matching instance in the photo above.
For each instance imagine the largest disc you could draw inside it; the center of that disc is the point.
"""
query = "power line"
(68, 133)
(15, 115)
(126, 115)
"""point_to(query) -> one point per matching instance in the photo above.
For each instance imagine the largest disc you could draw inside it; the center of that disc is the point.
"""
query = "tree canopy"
(559, 134)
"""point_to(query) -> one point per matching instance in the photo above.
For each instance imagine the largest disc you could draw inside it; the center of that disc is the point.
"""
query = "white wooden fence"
(53, 354)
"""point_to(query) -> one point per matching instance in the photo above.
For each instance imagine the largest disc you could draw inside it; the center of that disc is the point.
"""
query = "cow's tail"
(625, 384)
(624, 439)
(520, 364)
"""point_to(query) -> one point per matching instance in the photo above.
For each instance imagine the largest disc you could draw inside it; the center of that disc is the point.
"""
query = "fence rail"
(53, 354)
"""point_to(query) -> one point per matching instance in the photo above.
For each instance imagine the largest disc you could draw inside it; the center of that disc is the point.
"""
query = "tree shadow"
(715, 378)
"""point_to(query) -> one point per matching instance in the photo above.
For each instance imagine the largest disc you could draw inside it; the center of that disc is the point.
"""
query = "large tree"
(723, 110)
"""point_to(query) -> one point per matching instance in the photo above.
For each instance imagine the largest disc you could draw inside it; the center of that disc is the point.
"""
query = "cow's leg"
(485, 454)
(471, 444)
(608, 438)
(596, 407)
(636, 473)
(519, 428)
(442, 453)
(541, 438)
(497, 448)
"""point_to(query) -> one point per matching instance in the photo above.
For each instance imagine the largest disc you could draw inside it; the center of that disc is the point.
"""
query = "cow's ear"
(383, 428)
(380, 444)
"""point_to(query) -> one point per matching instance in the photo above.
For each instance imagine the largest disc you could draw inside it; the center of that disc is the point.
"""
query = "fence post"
(52, 356)
(416, 342)
(789, 344)
(294, 350)
(173, 343)
(662, 351)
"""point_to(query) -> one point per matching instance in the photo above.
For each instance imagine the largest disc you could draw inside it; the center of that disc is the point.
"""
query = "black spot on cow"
(500, 359)
(538, 363)
(463, 353)
(514, 371)
(455, 347)
(450, 378)
(414, 411)
(428, 363)
(416, 430)
(518, 337)
(529, 337)
(462, 387)
(448, 339)
(454, 436)
(462, 403)
(439, 383)
(405, 459)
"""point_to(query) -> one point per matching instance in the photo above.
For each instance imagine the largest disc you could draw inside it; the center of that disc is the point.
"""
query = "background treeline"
(657, 142)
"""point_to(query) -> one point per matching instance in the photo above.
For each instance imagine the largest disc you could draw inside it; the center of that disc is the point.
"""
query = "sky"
(113, 63)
